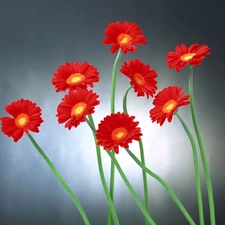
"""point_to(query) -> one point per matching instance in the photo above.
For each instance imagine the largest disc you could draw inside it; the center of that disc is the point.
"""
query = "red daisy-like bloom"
(123, 35)
(117, 130)
(75, 75)
(26, 116)
(141, 77)
(184, 55)
(166, 103)
(75, 106)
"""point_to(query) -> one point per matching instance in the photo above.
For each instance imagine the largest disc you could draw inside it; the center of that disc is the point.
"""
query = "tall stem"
(165, 185)
(115, 162)
(141, 147)
(138, 201)
(102, 176)
(202, 151)
(72, 195)
(145, 181)
(113, 84)
(197, 175)
(113, 91)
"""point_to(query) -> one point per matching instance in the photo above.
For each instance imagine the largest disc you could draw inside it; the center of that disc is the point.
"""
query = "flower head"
(26, 116)
(141, 77)
(123, 35)
(75, 75)
(184, 55)
(117, 130)
(166, 103)
(75, 106)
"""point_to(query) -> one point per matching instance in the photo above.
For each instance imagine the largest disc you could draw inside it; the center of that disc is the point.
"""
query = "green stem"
(125, 99)
(74, 198)
(141, 147)
(90, 123)
(113, 84)
(197, 175)
(144, 175)
(133, 193)
(165, 185)
(102, 176)
(115, 162)
(111, 187)
(113, 91)
(202, 151)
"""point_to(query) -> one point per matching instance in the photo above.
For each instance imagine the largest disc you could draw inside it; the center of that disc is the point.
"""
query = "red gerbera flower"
(75, 75)
(117, 129)
(166, 103)
(75, 106)
(184, 55)
(123, 35)
(26, 116)
(141, 77)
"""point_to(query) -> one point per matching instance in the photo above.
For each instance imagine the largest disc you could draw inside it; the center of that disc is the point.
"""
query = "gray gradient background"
(37, 37)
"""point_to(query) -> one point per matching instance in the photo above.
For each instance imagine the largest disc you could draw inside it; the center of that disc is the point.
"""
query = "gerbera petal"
(166, 103)
(117, 130)
(142, 78)
(75, 106)
(75, 75)
(183, 55)
(123, 35)
(26, 116)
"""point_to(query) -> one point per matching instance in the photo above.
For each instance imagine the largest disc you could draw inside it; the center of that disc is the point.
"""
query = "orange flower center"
(78, 109)
(169, 106)
(119, 133)
(139, 79)
(21, 120)
(187, 56)
(124, 39)
(75, 78)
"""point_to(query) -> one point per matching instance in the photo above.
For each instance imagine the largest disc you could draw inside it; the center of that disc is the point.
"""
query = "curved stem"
(125, 99)
(197, 175)
(115, 162)
(202, 151)
(165, 185)
(100, 167)
(90, 123)
(72, 195)
(113, 91)
(138, 201)
(141, 147)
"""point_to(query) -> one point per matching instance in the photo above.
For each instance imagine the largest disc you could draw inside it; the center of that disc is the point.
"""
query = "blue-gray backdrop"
(36, 37)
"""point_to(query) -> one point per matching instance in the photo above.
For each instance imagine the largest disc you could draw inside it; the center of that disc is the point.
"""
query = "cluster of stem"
(144, 207)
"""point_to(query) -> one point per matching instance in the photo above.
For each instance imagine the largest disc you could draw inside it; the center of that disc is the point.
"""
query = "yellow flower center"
(78, 109)
(140, 80)
(124, 39)
(119, 133)
(187, 56)
(21, 120)
(169, 106)
(75, 78)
